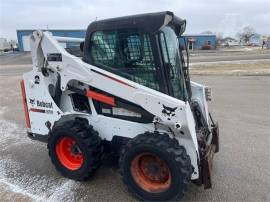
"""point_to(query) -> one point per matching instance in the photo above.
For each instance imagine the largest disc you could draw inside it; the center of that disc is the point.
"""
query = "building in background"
(23, 36)
(199, 42)
(194, 42)
(5, 45)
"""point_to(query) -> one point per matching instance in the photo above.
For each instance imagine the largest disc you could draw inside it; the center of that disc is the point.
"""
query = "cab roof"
(149, 22)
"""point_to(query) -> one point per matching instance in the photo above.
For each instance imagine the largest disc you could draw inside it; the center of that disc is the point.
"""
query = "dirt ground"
(241, 68)
(243, 62)
(241, 171)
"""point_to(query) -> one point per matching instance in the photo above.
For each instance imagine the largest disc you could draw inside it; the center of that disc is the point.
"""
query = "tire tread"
(172, 147)
(90, 138)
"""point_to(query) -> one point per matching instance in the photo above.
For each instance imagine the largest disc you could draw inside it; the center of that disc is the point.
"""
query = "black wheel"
(75, 149)
(155, 167)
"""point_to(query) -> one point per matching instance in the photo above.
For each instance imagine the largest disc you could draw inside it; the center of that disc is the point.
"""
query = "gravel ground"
(241, 171)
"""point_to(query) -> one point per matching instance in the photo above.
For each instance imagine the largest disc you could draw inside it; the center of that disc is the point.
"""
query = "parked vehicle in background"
(229, 41)
(6, 46)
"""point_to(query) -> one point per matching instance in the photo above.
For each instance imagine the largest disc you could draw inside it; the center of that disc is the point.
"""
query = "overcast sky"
(226, 16)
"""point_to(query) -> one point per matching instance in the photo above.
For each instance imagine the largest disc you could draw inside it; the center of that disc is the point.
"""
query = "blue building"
(23, 36)
(194, 42)
(199, 42)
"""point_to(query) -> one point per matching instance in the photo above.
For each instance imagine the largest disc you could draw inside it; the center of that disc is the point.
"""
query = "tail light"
(26, 113)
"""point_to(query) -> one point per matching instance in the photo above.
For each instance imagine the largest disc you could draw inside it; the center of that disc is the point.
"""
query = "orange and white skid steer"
(126, 90)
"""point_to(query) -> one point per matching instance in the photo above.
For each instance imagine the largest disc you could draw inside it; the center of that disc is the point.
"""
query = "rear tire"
(75, 149)
(155, 167)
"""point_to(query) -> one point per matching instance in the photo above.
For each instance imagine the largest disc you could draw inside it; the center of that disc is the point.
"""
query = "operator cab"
(142, 48)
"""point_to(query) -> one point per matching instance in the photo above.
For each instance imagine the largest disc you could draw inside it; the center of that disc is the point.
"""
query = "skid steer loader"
(130, 95)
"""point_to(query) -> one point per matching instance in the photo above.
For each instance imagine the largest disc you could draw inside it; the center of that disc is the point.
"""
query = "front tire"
(75, 149)
(155, 167)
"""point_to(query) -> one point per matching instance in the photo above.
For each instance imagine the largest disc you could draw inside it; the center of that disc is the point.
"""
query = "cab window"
(126, 53)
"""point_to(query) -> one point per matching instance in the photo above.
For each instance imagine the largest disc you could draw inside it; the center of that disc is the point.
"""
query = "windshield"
(172, 62)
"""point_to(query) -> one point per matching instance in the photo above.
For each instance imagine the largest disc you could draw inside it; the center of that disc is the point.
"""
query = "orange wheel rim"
(151, 173)
(69, 153)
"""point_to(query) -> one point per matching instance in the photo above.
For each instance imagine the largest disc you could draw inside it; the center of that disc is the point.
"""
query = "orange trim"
(26, 113)
(119, 81)
(115, 79)
(37, 110)
(101, 97)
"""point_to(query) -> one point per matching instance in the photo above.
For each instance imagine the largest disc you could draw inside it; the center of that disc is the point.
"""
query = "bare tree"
(246, 33)
(219, 37)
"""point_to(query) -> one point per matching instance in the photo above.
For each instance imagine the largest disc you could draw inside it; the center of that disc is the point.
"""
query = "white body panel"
(198, 94)
(39, 94)
(72, 68)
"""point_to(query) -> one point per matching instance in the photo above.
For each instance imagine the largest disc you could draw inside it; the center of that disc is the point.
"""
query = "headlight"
(208, 93)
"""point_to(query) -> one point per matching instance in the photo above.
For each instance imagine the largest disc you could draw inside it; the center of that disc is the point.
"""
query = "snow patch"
(16, 189)
(59, 194)
(20, 179)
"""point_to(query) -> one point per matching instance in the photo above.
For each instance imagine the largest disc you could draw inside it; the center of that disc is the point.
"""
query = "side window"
(133, 50)
(103, 48)
(172, 63)
(126, 53)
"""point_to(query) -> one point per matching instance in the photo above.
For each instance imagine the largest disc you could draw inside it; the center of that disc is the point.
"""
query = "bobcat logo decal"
(168, 111)
(32, 101)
